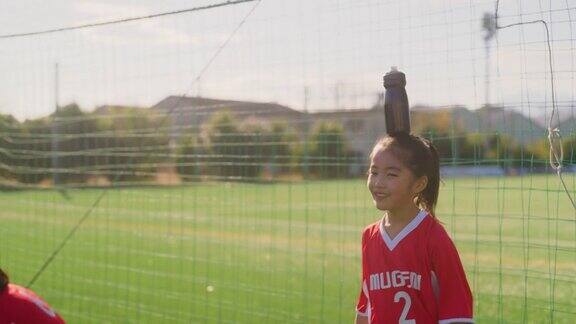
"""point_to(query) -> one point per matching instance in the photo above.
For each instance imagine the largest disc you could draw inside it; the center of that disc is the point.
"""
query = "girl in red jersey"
(411, 271)
(19, 305)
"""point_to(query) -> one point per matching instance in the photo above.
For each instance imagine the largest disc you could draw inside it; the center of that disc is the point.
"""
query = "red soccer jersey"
(417, 277)
(21, 305)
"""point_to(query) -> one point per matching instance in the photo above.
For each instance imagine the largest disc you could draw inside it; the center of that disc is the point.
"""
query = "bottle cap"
(394, 78)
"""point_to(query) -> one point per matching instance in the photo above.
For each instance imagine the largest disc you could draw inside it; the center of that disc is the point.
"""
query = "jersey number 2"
(407, 303)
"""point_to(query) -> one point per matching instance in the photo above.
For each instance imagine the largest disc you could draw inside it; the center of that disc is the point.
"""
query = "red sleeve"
(451, 287)
(363, 305)
(24, 306)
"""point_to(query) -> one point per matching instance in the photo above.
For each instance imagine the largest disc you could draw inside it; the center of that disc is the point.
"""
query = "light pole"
(489, 27)
(55, 131)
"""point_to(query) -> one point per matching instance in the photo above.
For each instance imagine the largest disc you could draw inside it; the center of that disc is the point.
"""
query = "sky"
(307, 54)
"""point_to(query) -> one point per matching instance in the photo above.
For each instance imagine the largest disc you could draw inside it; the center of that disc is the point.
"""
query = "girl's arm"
(361, 319)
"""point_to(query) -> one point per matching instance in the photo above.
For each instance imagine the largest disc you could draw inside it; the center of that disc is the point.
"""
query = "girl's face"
(392, 185)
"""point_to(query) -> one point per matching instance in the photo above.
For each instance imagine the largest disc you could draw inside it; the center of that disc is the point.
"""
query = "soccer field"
(290, 252)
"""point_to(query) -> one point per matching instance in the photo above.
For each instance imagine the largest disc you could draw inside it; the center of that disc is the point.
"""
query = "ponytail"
(428, 198)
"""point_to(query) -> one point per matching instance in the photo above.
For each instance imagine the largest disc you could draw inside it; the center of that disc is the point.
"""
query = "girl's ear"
(420, 184)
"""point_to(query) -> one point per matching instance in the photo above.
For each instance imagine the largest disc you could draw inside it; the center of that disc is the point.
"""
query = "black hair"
(420, 156)
(3, 280)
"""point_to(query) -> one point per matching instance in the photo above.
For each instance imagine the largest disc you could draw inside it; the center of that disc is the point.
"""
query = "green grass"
(279, 253)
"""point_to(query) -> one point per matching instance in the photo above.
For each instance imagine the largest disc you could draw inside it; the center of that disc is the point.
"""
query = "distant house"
(194, 111)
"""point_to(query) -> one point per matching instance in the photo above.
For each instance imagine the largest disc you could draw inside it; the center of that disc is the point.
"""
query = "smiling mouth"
(380, 196)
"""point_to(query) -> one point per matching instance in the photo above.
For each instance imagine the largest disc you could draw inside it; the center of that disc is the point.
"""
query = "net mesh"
(209, 165)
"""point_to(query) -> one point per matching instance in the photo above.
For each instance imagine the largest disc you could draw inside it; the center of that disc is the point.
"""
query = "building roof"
(200, 104)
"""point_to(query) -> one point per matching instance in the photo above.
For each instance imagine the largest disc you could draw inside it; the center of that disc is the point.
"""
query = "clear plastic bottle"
(396, 103)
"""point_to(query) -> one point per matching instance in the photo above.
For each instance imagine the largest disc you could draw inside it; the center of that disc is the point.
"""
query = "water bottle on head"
(396, 103)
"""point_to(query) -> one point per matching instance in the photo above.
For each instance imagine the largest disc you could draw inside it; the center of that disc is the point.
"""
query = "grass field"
(249, 253)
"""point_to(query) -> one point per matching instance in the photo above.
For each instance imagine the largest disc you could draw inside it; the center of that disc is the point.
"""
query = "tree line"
(130, 144)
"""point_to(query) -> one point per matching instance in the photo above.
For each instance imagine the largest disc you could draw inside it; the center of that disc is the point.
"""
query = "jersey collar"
(391, 243)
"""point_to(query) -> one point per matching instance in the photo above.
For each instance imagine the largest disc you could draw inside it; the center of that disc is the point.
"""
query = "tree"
(130, 144)
(281, 147)
(71, 143)
(452, 143)
(9, 127)
(223, 136)
(541, 150)
(241, 150)
(569, 148)
(32, 151)
(187, 161)
(254, 149)
(328, 151)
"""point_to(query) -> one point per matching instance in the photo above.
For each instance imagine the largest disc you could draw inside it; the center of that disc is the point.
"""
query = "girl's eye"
(392, 175)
